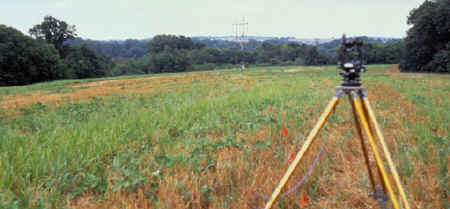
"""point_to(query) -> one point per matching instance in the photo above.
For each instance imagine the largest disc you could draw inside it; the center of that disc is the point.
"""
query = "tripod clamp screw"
(353, 91)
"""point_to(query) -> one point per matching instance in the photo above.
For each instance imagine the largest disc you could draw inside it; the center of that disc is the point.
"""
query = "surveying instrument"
(350, 62)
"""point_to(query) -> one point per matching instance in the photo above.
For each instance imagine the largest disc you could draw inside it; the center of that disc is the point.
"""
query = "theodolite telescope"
(350, 60)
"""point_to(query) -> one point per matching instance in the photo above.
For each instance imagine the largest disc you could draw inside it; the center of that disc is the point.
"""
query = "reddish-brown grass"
(150, 85)
(237, 179)
(339, 183)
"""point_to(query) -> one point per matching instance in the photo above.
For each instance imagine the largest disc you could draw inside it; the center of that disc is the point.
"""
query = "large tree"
(170, 53)
(428, 40)
(81, 62)
(24, 60)
(168, 61)
(54, 31)
(160, 43)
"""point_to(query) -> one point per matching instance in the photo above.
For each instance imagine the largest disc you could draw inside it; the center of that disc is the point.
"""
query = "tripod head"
(350, 61)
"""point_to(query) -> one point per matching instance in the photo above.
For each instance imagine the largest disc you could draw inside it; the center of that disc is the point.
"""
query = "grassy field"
(214, 139)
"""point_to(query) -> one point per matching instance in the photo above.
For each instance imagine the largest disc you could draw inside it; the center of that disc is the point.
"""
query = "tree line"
(130, 48)
(169, 53)
(25, 60)
(55, 52)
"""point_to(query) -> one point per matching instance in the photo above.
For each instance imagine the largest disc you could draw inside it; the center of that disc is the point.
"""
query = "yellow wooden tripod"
(367, 118)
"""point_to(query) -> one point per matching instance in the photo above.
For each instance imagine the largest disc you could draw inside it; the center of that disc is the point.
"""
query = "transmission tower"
(240, 31)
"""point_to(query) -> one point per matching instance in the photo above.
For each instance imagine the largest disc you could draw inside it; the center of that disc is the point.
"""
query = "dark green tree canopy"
(24, 60)
(53, 31)
(81, 62)
(160, 43)
(129, 48)
(428, 40)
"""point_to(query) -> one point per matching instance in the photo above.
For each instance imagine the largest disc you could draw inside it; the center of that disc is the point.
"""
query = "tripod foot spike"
(387, 154)
(378, 159)
(381, 197)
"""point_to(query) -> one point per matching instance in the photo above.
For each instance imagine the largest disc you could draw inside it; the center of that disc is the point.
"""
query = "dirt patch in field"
(118, 82)
(84, 91)
(293, 70)
(91, 84)
(407, 75)
(296, 70)
(150, 85)
(394, 72)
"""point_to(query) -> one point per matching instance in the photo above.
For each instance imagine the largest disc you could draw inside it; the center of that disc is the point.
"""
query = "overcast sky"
(122, 19)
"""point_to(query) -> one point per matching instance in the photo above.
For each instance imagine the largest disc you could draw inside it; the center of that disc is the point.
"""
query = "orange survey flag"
(291, 157)
(303, 199)
(284, 131)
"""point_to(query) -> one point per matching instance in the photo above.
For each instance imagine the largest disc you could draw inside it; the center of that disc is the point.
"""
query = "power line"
(240, 31)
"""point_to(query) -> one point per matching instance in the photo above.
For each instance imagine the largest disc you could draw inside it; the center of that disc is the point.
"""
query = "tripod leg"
(323, 118)
(363, 146)
(378, 159)
(366, 114)
(387, 154)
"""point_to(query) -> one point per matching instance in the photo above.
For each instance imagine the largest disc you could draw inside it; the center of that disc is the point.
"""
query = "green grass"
(49, 153)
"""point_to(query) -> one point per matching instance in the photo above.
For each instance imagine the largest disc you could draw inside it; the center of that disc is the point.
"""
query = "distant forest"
(54, 51)
(376, 51)
(162, 53)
